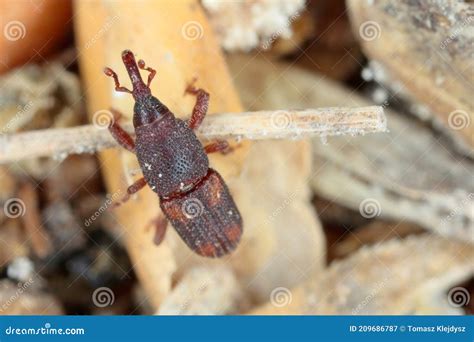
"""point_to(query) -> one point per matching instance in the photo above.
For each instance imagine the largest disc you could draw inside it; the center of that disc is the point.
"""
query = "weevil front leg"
(218, 146)
(201, 106)
(132, 189)
(120, 135)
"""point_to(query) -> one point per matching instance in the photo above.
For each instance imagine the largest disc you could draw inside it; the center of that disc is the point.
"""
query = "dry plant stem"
(39, 239)
(281, 124)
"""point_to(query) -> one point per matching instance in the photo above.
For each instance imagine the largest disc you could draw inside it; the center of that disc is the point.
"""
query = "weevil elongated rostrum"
(193, 197)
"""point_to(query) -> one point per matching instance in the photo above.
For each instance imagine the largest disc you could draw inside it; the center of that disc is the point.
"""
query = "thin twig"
(281, 124)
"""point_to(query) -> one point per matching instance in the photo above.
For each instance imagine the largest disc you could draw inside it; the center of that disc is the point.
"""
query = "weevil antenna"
(109, 72)
(152, 72)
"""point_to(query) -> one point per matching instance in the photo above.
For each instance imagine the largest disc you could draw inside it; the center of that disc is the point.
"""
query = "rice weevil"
(193, 197)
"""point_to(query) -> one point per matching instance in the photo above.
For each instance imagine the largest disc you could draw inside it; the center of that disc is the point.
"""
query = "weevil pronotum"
(193, 197)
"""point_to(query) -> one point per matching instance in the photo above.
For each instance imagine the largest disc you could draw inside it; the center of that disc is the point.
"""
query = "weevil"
(193, 197)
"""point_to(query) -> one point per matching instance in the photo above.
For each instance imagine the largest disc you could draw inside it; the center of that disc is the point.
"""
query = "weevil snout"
(140, 89)
(147, 107)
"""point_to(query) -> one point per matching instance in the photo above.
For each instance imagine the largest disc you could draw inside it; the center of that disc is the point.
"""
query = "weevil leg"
(201, 106)
(221, 146)
(132, 189)
(160, 224)
(109, 72)
(141, 65)
(120, 135)
(218, 146)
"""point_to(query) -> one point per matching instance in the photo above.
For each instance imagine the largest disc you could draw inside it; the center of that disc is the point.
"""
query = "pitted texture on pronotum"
(171, 156)
(206, 217)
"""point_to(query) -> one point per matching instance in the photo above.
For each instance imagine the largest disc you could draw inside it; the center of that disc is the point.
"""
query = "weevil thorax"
(147, 108)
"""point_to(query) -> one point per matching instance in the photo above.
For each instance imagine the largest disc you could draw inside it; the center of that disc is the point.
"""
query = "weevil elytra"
(193, 197)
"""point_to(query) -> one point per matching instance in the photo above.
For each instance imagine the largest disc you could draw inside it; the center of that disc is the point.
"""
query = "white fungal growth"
(244, 25)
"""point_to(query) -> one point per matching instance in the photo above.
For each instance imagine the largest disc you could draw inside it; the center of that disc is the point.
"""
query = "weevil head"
(140, 89)
(147, 110)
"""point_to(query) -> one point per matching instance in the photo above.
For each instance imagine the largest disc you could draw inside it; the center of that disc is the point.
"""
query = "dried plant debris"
(66, 231)
(31, 218)
(383, 88)
(244, 25)
(13, 242)
(283, 240)
(27, 298)
(333, 214)
(302, 27)
(204, 290)
(8, 186)
(331, 48)
(76, 176)
(434, 66)
(406, 174)
(36, 97)
(409, 276)
(376, 232)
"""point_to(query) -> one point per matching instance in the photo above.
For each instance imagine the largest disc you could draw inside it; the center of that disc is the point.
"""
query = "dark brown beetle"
(193, 197)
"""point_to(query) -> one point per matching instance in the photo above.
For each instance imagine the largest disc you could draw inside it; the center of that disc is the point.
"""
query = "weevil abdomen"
(206, 217)
(170, 155)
